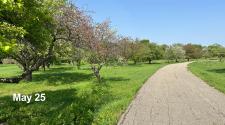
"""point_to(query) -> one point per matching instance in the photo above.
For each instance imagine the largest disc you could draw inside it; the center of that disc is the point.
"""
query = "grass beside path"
(213, 72)
(72, 96)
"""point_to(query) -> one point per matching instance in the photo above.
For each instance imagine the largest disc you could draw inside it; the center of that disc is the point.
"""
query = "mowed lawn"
(73, 96)
(213, 72)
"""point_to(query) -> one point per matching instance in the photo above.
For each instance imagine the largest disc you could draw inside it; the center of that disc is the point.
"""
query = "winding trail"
(174, 96)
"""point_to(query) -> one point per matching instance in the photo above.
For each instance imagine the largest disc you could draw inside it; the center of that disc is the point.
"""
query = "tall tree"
(192, 51)
(138, 51)
(153, 52)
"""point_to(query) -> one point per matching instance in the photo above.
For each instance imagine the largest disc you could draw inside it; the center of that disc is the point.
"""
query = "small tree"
(174, 52)
(179, 53)
(99, 40)
(154, 52)
(169, 54)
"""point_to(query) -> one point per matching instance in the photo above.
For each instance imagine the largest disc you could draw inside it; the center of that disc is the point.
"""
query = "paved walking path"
(174, 96)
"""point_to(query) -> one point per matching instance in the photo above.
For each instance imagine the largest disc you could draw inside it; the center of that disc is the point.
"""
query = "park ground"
(73, 95)
(212, 72)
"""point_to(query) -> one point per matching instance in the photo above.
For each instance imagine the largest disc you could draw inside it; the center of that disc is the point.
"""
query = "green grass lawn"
(73, 96)
(213, 72)
(9, 70)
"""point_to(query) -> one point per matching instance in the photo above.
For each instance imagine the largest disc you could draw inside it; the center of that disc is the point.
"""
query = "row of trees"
(36, 33)
(194, 51)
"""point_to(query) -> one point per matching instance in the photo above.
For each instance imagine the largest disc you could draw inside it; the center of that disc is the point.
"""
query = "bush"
(8, 61)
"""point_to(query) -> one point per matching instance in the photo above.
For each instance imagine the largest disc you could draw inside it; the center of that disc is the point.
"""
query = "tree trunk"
(150, 61)
(220, 58)
(188, 59)
(48, 65)
(96, 70)
(43, 66)
(27, 75)
(176, 60)
(97, 75)
(78, 64)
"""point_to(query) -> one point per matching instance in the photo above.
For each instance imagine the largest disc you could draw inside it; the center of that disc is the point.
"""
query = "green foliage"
(146, 51)
(63, 54)
(215, 50)
(175, 52)
(154, 52)
(8, 37)
(193, 51)
(145, 41)
(138, 51)
(27, 31)
(10, 4)
(9, 32)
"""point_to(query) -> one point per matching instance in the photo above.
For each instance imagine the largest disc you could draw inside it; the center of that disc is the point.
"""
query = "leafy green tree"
(32, 42)
(205, 52)
(138, 51)
(65, 54)
(216, 50)
(192, 51)
(175, 52)
(152, 51)
(221, 53)
(77, 55)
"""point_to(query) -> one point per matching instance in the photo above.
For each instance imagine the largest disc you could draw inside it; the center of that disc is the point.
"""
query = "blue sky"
(163, 21)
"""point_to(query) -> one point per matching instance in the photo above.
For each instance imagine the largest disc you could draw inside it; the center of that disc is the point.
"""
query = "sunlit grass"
(213, 72)
(73, 96)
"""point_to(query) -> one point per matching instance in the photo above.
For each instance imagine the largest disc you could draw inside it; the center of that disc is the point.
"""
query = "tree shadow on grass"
(61, 75)
(61, 107)
(217, 70)
(108, 79)
(57, 69)
(136, 65)
(152, 63)
(61, 78)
